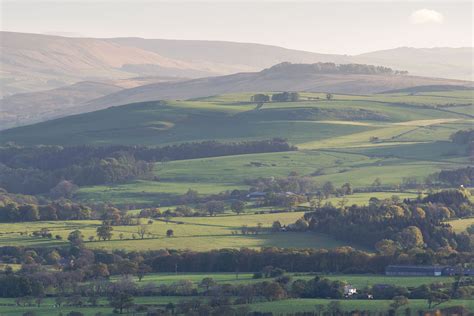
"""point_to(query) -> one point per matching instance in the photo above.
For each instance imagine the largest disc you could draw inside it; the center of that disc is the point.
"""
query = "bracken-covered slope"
(32, 62)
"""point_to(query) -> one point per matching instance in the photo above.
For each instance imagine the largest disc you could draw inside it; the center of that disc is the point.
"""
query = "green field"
(232, 117)
(356, 280)
(334, 140)
(278, 307)
(460, 225)
(333, 137)
(195, 233)
(302, 305)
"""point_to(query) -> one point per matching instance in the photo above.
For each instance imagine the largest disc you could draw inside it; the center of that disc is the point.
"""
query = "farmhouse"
(349, 290)
(414, 270)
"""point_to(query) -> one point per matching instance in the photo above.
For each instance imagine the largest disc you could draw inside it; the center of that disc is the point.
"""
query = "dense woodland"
(392, 226)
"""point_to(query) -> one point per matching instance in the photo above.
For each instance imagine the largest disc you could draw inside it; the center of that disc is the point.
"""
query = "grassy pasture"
(460, 225)
(277, 307)
(334, 140)
(195, 233)
(356, 280)
(363, 198)
(302, 305)
(232, 117)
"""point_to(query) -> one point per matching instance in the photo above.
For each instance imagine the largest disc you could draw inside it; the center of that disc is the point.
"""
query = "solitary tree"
(142, 230)
(329, 96)
(142, 270)
(121, 301)
(76, 237)
(347, 189)
(104, 231)
(328, 189)
(276, 226)
(237, 206)
(377, 183)
(169, 233)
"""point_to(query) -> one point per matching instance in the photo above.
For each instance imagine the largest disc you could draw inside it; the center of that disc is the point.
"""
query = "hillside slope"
(27, 108)
(228, 57)
(32, 62)
(33, 107)
(440, 62)
(233, 118)
(443, 62)
(290, 77)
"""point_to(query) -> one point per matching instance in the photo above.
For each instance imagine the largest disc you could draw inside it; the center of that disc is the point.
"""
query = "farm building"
(414, 270)
(349, 290)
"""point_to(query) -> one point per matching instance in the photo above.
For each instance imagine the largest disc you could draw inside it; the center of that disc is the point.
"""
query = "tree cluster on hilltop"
(332, 68)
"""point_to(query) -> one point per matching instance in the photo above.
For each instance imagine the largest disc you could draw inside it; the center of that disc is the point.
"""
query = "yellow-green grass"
(194, 233)
(460, 225)
(147, 192)
(363, 198)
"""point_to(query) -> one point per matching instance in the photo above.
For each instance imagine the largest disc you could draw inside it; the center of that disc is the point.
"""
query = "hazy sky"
(325, 26)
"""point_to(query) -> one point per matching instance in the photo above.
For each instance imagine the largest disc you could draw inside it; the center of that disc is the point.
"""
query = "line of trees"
(14, 212)
(286, 96)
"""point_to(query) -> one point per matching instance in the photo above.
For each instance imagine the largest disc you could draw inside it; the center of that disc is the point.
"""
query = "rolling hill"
(285, 76)
(32, 107)
(51, 66)
(334, 140)
(444, 62)
(27, 108)
(33, 62)
(233, 117)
